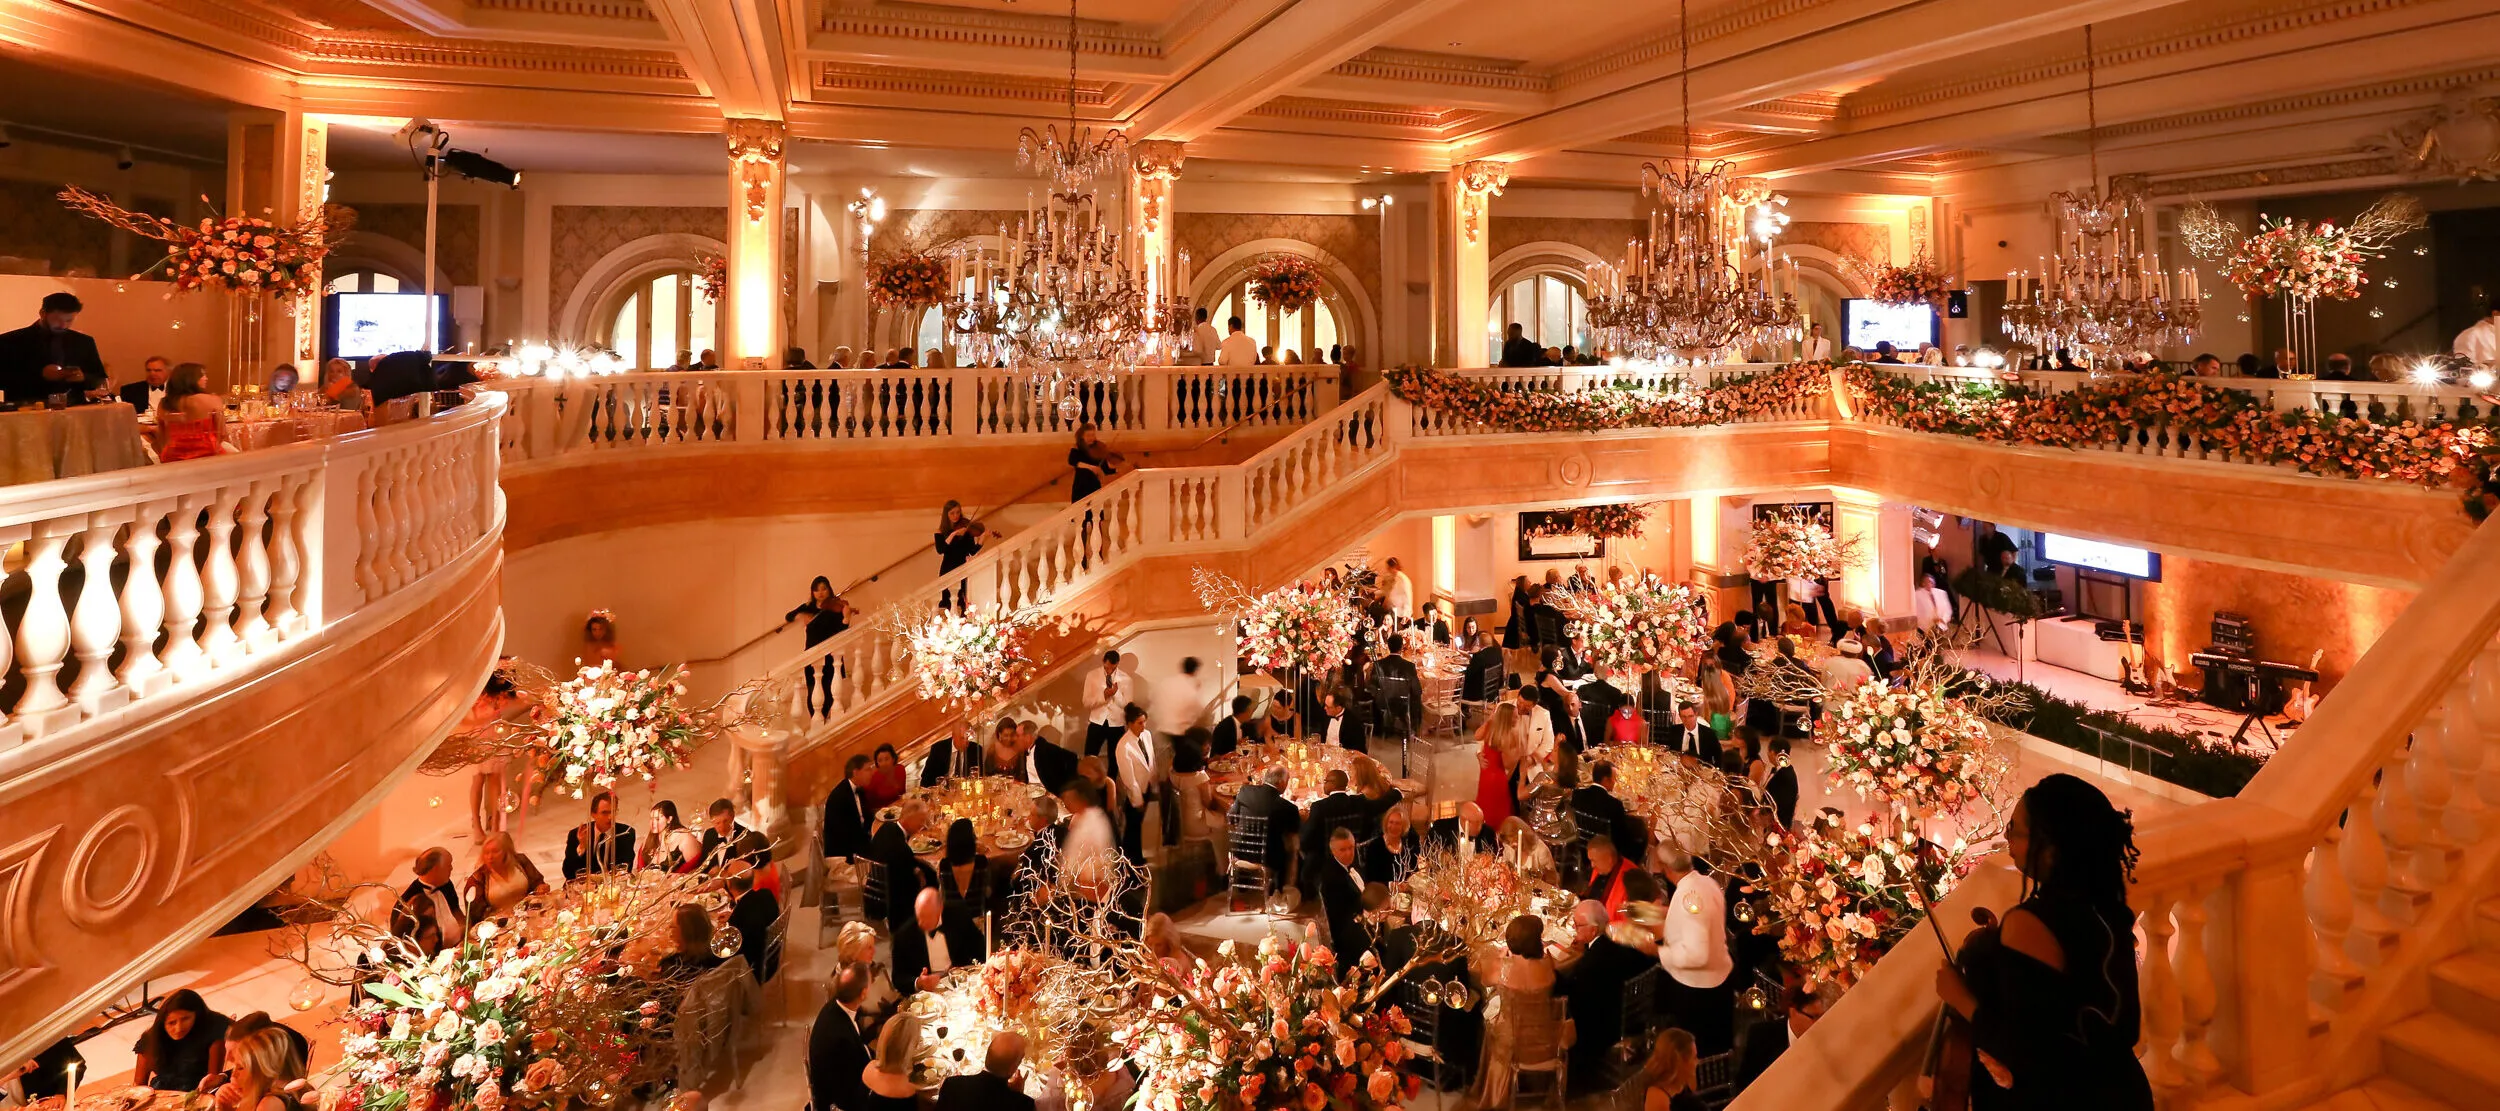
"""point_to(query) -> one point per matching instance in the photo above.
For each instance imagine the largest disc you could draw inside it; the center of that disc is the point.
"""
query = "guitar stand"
(2252, 717)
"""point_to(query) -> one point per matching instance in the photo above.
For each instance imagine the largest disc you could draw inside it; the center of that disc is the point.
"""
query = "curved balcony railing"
(208, 669)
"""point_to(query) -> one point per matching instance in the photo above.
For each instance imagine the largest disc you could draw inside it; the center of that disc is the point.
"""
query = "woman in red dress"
(190, 421)
(1497, 750)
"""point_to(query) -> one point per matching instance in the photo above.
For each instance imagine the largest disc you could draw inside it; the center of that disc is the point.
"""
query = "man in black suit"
(846, 811)
(929, 947)
(890, 845)
(1338, 809)
(1266, 800)
(1040, 761)
(429, 911)
(1398, 691)
(1337, 724)
(959, 757)
(1545, 622)
(753, 916)
(725, 841)
(1595, 807)
(142, 395)
(1599, 699)
(1483, 681)
(1689, 737)
(49, 357)
(1232, 731)
(837, 1050)
(1519, 350)
(600, 844)
(1595, 983)
(1466, 827)
(994, 1087)
(1341, 899)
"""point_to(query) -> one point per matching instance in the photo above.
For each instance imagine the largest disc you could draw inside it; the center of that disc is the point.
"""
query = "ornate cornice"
(574, 9)
(1804, 107)
(309, 44)
(2322, 98)
(1658, 45)
(973, 27)
(1339, 111)
(2337, 170)
(1442, 69)
(847, 77)
(2242, 26)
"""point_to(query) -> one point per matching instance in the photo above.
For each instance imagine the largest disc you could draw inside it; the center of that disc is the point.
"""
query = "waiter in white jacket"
(1140, 779)
(1106, 692)
(2481, 341)
(1692, 947)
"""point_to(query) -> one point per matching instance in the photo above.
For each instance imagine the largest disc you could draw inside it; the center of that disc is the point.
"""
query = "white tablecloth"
(38, 445)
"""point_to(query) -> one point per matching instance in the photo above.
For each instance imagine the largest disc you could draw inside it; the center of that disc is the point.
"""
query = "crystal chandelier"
(1071, 295)
(1698, 285)
(2099, 295)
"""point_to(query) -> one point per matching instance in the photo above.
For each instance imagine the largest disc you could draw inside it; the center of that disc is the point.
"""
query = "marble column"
(754, 335)
(1463, 277)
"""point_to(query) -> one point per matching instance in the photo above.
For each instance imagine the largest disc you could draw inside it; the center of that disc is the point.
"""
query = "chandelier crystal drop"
(2100, 295)
(1703, 280)
(1070, 295)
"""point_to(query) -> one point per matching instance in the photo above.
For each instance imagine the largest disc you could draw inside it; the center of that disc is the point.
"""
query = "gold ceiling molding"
(1662, 45)
(393, 48)
(849, 77)
(1196, 19)
(974, 27)
(2337, 170)
(1385, 64)
(1340, 111)
(635, 10)
(2256, 23)
(1809, 107)
(2322, 98)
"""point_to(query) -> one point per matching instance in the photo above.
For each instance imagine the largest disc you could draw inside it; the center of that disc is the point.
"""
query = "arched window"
(1311, 330)
(1552, 308)
(365, 281)
(663, 321)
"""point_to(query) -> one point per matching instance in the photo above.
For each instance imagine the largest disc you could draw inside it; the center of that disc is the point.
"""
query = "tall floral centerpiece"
(971, 661)
(1282, 1030)
(1919, 282)
(1601, 522)
(1297, 630)
(711, 276)
(233, 254)
(2301, 262)
(1286, 283)
(1843, 895)
(1914, 749)
(607, 725)
(1796, 545)
(1634, 625)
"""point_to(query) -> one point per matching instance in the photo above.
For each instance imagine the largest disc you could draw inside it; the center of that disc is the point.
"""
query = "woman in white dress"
(1202, 813)
(503, 878)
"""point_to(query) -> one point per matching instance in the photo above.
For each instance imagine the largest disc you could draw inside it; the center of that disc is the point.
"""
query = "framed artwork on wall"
(1539, 538)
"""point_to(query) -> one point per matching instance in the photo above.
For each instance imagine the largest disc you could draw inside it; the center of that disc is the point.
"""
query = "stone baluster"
(368, 528)
(43, 631)
(286, 563)
(2400, 826)
(252, 569)
(97, 616)
(142, 604)
(183, 657)
(2197, 995)
(2479, 765)
(2160, 999)
(391, 509)
(218, 582)
(2429, 787)
(2328, 897)
(2365, 867)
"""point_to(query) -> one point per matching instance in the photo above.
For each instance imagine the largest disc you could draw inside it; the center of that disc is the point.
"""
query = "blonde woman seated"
(338, 386)
(266, 1074)
(858, 945)
(503, 878)
(1523, 1026)
(888, 1075)
(1667, 1080)
(1163, 939)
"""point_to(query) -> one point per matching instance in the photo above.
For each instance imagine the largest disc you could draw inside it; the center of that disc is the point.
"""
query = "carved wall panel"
(1872, 242)
(580, 235)
(458, 234)
(1603, 238)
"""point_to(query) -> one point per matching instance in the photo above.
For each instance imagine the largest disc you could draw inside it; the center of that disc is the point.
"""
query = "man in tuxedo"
(994, 1087)
(1398, 690)
(1483, 680)
(1107, 693)
(1266, 799)
(1338, 725)
(1341, 900)
(1595, 983)
(928, 948)
(1689, 737)
(837, 1047)
(1339, 809)
(725, 841)
(890, 845)
(1599, 699)
(49, 357)
(600, 844)
(1464, 832)
(1045, 762)
(1595, 806)
(846, 811)
(1139, 777)
(1545, 622)
(429, 910)
(1519, 350)
(142, 395)
(1232, 731)
(960, 757)
(753, 916)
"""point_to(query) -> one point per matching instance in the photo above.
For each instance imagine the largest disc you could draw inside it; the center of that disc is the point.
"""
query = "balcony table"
(38, 445)
(275, 431)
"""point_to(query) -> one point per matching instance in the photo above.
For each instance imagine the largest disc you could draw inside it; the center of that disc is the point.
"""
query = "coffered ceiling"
(1566, 90)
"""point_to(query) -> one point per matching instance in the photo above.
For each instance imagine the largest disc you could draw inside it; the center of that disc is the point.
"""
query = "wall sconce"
(869, 211)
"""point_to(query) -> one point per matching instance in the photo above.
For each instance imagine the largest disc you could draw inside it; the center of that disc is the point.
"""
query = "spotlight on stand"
(477, 167)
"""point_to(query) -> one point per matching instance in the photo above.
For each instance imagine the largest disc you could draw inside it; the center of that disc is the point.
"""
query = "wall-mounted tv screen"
(1864, 323)
(371, 324)
(2115, 559)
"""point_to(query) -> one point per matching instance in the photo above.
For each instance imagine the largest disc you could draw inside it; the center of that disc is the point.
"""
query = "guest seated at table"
(1340, 884)
(1667, 1080)
(240, 1031)
(282, 379)
(267, 1074)
(49, 357)
(1338, 724)
(847, 813)
(726, 842)
(959, 757)
(429, 911)
(1485, 670)
(184, 1045)
(1163, 939)
(994, 1088)
(1378, 796)
(1595, 808)
(1283, 720)
(400, 374)
(141, 395)
(886, 780)
(1240, 728)
(837, 1045)
(190, 421)
(339, 388)
(503, 878)
(1265, 800)
(1608, 871)
(693, 954)
(964, 877)
(1523, 1026)
(600, 844)
(1200, 813)
(752, 914)
(1599, 970)
(666, 842)
(1339, 809)
(1389, 857)
(857, 945)
(928, 947)
(1465, 828)
(1526, 850)
(905, 876)
(886, 1083)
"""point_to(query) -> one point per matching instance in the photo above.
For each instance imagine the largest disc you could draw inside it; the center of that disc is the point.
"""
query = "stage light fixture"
(477, 167)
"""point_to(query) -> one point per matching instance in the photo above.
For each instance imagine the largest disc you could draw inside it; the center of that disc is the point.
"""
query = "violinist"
(1094, 462)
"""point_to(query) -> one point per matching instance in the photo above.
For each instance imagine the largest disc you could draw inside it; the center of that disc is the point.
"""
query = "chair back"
(1640, 1002)
(1248, 840)
(1714, 1077)
(1536, 1027)
(874, 891)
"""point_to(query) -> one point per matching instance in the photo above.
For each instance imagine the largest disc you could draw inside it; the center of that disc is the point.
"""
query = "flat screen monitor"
(371, 324)
(2115, 559)
(1864, 323)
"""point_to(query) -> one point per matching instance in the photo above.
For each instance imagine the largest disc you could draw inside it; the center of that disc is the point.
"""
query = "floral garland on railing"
(1286, 283)
(238, 254)
(1479, 401)
(2229, 421)
(907, 280)
(1600, 522)
(1795, 545)
(1638, 625)
(968, 661)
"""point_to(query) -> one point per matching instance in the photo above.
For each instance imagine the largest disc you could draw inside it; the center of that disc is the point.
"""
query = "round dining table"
(39, 445)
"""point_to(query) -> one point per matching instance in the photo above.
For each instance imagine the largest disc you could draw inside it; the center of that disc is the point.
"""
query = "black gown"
(2067, 1038)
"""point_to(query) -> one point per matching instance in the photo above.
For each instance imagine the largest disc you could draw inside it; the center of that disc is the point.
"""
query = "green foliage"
(1997, 593)
(2191, 762)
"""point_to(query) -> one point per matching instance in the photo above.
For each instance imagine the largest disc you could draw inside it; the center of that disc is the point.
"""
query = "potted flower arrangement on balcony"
(1286, 283)
(1797, 545)
(1600, 522)
(607, 725)
(1919, 282)
(913, 279)
(711, 276)
(2299, 261)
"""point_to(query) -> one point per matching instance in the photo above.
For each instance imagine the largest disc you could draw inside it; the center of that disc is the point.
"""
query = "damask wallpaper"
(1354, 240)
(1872, 242)
(1603, 238)
(34, 227)
(921, 229)
(457, 234)
(580, 235)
